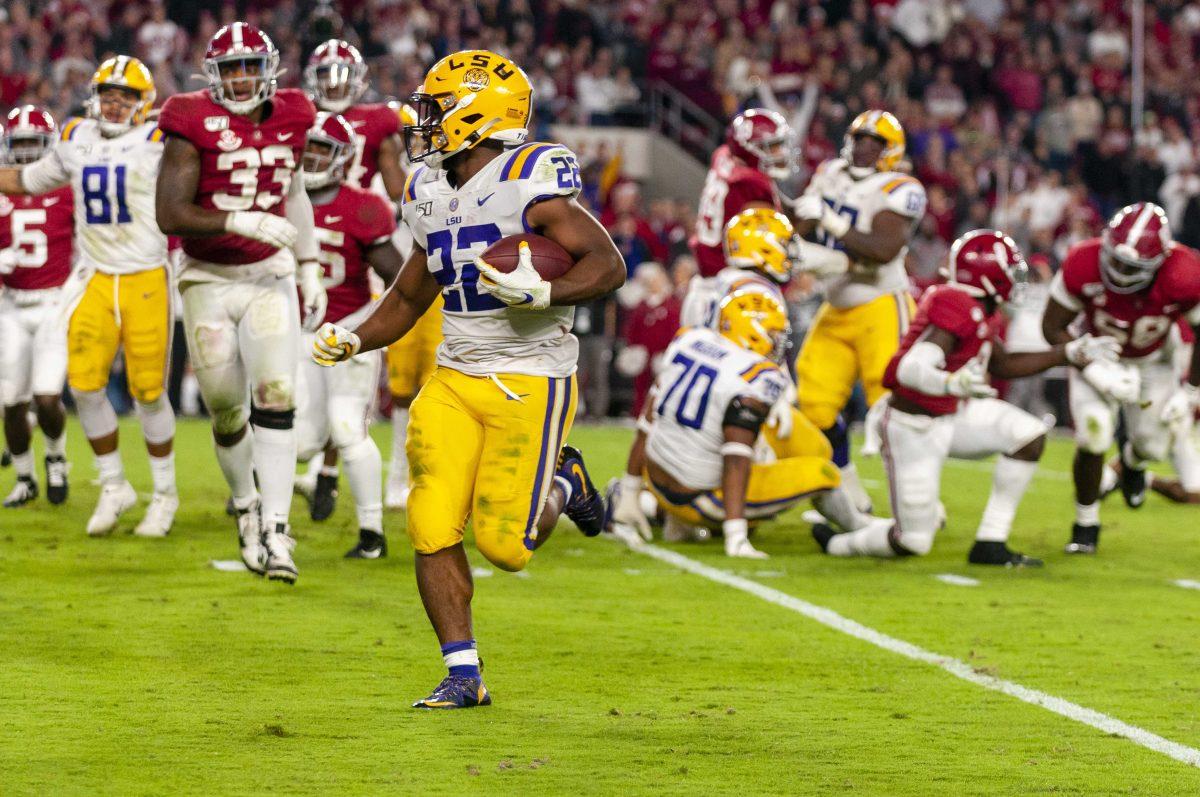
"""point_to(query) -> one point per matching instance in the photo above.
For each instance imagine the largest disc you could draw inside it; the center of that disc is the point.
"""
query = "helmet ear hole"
(471, 119)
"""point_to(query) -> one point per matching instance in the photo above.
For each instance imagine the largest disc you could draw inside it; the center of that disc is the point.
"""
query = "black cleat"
(1084, 539)
(990, 552)
(1133, 486)
(230, 509)
(5, 458)
(24, 491)
(56, 480)
(823, 533)
(324, 497)
(371, 545)
(586, 507)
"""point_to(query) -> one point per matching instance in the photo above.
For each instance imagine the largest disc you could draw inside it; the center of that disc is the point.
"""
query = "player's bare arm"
(10, 181)
(737, 455)
(599, 269)
(389, 167)
(1014, 365)
(888, 235)
(1055, 321)
(413, 290)
(386, 261)
(174, 200)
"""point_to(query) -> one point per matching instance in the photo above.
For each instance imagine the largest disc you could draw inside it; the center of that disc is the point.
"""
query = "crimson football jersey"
(243, 165)
(42, 231)
(352, 222)
(1139, 321)
(729, 188)
(371, 124)
(963, 316)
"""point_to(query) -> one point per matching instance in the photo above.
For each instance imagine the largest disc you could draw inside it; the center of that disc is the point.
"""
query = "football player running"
(942, 406)
(228, 187)
(354, 231)
(863, 213)
(486, 431)
(35, 260)
(1133, 284)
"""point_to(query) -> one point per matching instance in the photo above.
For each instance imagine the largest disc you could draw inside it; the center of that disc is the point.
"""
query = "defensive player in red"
(1133, 284)
(227, 187)
(36, 234)
(354, 229)
(942, 406)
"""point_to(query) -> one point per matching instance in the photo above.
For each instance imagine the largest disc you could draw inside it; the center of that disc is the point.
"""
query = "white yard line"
(957, 580)
(959, 669)
(1186, 583)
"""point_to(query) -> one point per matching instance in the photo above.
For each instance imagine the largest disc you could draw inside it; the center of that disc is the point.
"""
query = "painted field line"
(957, 580)
(957, 668)
(1186, 583)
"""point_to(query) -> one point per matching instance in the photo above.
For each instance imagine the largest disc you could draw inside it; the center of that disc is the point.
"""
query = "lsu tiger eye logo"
(476, 79)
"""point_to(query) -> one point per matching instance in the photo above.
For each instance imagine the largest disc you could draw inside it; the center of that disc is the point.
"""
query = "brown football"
(550, 259)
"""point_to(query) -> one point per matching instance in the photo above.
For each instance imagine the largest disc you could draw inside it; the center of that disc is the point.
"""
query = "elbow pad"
(922, 369)
(744, 416)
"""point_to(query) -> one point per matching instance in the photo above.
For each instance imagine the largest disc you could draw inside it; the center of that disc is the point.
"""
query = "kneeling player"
(942, 406)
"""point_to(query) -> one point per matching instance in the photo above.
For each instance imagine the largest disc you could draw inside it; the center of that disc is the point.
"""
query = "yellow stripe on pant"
(129, 309)
(485, 448)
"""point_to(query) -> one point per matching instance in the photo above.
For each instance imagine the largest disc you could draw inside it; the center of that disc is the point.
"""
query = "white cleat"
(396, 494)
(115, 500)
(159, 517)
(250, 538)
(279, 544)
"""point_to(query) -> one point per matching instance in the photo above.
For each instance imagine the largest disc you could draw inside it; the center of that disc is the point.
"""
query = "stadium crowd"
(1017, 112)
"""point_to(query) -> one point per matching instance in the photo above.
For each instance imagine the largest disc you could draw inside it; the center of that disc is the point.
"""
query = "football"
(550, 259)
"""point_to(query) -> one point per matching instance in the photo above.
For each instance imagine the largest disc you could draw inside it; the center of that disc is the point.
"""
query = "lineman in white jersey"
(120, 293)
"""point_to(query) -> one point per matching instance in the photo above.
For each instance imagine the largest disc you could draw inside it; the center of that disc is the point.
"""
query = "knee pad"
(510, 557)
(345, 431)
(276, 395)
(357, 450)
(838, 438)
(158, 420)
(230, 419)
(272, 419)
(1094, 432)
(96, 414)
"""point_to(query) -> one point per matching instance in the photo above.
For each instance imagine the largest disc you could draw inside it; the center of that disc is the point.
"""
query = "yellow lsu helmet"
(466, 98)
(883, 126)
(131, 75)
(758, 239)
(756, 320)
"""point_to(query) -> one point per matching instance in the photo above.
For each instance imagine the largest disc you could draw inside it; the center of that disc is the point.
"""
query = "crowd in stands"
(1017, 111)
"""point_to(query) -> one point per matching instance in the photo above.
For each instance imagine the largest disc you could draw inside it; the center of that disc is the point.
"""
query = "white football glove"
(820, 261)
(266, 227)
(1118, 381)
(1088, 349)
(312, 291)
(8, 260)
(780, 416)
(1181, 406)
(627, 510)
(969, 382)
(333, 344)
(521, 287)
(808, 208)
(737, 541)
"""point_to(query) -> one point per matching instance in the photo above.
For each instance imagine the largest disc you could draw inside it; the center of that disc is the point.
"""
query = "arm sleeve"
(46, 174)
(300, 214)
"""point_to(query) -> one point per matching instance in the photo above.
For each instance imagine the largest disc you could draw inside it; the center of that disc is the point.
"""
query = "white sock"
(332, 470)
(398, 467)
(275, 463)
(1087, 514)
(57, 446)
(1010, 480)
(854, 488)
(162, 472)
(314, 464)
(235, 462)
(838, 507)
(364, 471)
(870, 540)
(110, 467)
(24, 462)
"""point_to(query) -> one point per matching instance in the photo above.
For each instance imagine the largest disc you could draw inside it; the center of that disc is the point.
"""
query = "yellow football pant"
(411, 360)
(848, 345)
(129, 309)
(485, 448)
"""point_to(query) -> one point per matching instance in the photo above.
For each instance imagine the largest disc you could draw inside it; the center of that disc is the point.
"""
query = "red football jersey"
(372, 124)
(243, 165)
(42, 230)
(963, 316)
(1139, 321)
(729, 188)
(352, 222)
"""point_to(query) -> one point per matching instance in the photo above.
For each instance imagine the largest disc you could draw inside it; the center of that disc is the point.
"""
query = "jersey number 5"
(32, 245)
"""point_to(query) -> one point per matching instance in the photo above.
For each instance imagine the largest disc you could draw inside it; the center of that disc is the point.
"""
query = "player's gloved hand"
(312, 291)
(626, 508)
(808, 208)
(814, 208)
(820, 261)
(969, 382)
(779, 417)
(1119, 382)
(1181, 406)
(1088, 349)
(737, 540)
(521, 287)
(8, 260)
(334, 344)
(265, 227)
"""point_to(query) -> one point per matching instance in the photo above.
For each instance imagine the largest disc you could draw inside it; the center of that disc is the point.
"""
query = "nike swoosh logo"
(519, 396)
(528, 298)
(578, 472)
(485, 199)
(285, 136)
(48, 202)
(333, 219)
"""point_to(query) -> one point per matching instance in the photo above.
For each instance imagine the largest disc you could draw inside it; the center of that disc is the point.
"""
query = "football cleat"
(586, 507)
(991, 552)
(457, 691)
(823, 533)
(5, 458)
(395, 494)
(24, 491)
(324, 498)
(56, 479)
(159, 517)
(279, 544)
(371, 545)
(1133, 486)
(1084, 539)
(230, 509)
(250, 537)
(115, 500)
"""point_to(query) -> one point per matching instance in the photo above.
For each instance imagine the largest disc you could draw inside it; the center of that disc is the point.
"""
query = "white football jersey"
(859, 201)
(703, 372)
(454, 225)
(114, 184)
(704, 294)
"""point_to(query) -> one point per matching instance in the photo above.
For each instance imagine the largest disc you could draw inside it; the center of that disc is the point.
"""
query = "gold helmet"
(755, 319)
(883, 126)
(466, 98)
(758, 239)
(134, 79)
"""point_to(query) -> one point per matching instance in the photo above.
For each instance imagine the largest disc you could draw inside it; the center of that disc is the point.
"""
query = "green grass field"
(131, 666)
